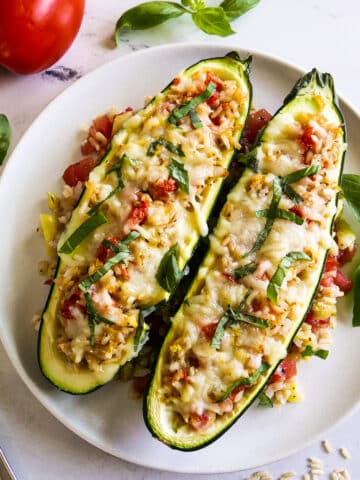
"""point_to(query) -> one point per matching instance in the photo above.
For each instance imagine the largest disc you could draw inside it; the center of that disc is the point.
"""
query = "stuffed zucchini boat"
(258, 280)
(138, 221)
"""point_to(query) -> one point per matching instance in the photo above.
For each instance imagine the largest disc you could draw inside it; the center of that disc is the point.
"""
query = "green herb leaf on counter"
(351, 190)
(169, 274)
(356, 306)
(147, 15)
(235, 8)
(309, 352)
(213, 20)
(5, 135)
(194, 4)
(265, 401)
(179, 173)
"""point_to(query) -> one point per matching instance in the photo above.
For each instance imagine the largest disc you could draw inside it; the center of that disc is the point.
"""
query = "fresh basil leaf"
(165, 143)
(195, 119)
(117, 168)
(249, 159)
(300, 174)
(292, 194)
(350, 184)
(235, 8)
(265, 401)
(194, 4)
(245, 382)
(147, 15)
(245, 270)
(282, 214)
(82, 232)
(280, 273)
(270, 217)
(219, 331)
(169, 274)
(96, 207)
(212, 20)
(179, 173)
(121, 253)
(5, 136)
(356, 306)
(239, 316)
(180, 112)
(94, 317)
(308, 352)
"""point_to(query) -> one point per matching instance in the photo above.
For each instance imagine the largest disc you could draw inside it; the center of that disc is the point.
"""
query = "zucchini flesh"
(80, 351)
(213, 365)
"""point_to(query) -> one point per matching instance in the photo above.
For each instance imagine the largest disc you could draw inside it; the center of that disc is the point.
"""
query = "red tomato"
(256, 121)
(162, 188)
(307, 139)
(346, 255)
(198, 421)
(298, 210)
(285, 371)
(34, 34)
(103, 252)
(69, 303)
(139, 213)
(343, 282)
(104, 125)
(315, 322)
(209, 330)
(79, 171)
(331, 263)
(236, 390)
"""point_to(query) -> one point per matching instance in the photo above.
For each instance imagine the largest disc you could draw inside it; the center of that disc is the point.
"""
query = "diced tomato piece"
(176, 81)
(285, 371)
(140, 384)
(209, 330)
(103, 252)
(69, 303)
(343, 282)
(229, 277)
(236, 390)
(331, 263)
(256, 305)
(316, 322)
(49, 281)
(103, 125)
(213, 99)
(162, 188)
(256, 121)
(87, 148)
(298, 210)
(79, 171)
(327, 281)
(211, 77)
(346, 255)
(197, 421)
(306, 138)
(139, 213)
(180, 374)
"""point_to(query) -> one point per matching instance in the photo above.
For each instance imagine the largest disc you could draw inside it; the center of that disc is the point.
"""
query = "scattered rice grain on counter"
(306, 476)
(261, 476)
(344, 452)
(287, 475)
(326, 446)
(341, 474)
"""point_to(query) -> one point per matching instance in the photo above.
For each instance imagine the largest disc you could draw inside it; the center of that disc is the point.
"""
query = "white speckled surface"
(324, 34)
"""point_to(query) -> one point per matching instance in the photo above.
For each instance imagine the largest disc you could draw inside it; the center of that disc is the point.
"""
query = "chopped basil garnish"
(245, 382)
(94, 317)
(5, 135)
(265, 401)
(169, 274)
(270, 218)
(292, 194)
(166, 144)
(356, 306)
(121, 250)
(249, 159)
(82, 232)
(245, 270)
(295, 177)
(219, 331)
(280, 273)
(179, 173)
(96, 207)
(185, 109)
(282, 214)
(195, 119)
(239, 316)
(117, 168)
(309, 352)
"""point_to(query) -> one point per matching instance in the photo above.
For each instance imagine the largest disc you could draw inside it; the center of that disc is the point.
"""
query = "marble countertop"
(308, 33)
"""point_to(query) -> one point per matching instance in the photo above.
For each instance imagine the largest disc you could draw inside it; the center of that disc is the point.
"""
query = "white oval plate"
(108, 418)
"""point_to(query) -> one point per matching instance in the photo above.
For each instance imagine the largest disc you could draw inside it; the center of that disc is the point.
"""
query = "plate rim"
(15, 361)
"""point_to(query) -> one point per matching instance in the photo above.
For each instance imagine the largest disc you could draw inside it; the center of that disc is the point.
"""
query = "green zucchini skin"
(78, 379)
(156, 414)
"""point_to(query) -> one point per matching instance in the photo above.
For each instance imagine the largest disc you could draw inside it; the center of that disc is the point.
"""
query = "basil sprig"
(295, 177)
(309, 352)
(282, 214)
(169, 274)
(265, 401)
(195, 119)
(82, 232)
(270, 218)
(179, 173)
(5, 136)
(245, 270)
(121, 250)
(166, 144)
(94, 317)
(350, 185)
(211, 20)
(245, 382)
(180, 112)
(280, 273)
